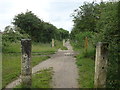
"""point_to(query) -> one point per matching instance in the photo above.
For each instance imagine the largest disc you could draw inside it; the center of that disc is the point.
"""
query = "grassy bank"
(11, 66)
(86, 72)
(11, 61)
(85, 63)
(36, 47)
(59, 44)
(41, 79)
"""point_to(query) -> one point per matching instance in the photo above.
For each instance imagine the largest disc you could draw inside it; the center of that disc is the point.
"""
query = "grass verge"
(86, 72)
(64, 48)
(36, 47)
(43, 48)
(85, 63)
(11, 61)
(41, 79)
(59, 44)
(11, 66)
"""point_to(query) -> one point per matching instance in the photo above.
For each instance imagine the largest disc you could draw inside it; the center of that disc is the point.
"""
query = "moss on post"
(26, 70)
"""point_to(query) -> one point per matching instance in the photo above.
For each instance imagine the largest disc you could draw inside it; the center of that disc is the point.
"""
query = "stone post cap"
(25, 39)
(102, 43)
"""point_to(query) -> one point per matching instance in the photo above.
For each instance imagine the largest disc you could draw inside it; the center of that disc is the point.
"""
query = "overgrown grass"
(64, 48)
(36, 47)
(59, 44)
(11, 61)
(44, 48)
(41, 79)
(85, 63)
(38, 59)
(86, 72)
(12, 47)
(11, 66)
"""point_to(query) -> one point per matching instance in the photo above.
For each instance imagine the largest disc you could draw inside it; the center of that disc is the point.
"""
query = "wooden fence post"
(86, 44)
(26, 70)
(63, 42)
(101, 65)
(53, 43)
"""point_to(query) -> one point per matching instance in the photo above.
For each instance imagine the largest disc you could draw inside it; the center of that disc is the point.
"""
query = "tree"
(30, 24)
(37, 29)
(63, 34)
(85, 17)
(101, 22)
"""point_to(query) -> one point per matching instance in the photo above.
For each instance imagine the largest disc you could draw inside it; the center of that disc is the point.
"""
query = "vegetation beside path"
(11, 60)
(28, 25)
(85, 64)
(99, 22)
(41, 79)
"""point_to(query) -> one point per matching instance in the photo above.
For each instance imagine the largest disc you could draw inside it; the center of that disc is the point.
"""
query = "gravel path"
(65, 69)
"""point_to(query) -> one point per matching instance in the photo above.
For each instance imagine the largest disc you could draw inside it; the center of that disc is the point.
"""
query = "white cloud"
(56, 12)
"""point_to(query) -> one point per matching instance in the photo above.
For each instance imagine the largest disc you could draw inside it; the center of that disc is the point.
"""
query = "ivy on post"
(26, 70)
(101, 65)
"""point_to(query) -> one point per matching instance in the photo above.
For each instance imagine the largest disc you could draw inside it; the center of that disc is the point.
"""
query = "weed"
(41, 79)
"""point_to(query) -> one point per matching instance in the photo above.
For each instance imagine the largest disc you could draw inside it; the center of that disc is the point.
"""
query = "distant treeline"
(28, 25)
(100, 23)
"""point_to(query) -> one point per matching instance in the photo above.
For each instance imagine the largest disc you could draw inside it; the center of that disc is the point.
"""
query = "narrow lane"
(65, 69)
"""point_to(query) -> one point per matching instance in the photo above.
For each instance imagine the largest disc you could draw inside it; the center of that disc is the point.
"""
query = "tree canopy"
(100, 22)
(37, 29)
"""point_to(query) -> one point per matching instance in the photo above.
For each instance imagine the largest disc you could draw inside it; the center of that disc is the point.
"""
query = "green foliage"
(85, 63)
(48, 32)
(86, 72)
(12, 66)
(80, 37)
(11, 62)
(38, 30)
(36, 48)
(86, 69)
(63, 34)
(44, 48)
(29, 22)
(10, 49)
(102, 21)
(109, 32)
(64, 48)
(10, 35)
(59, 44)
(41, 79)
(85, 17)
(38, 59)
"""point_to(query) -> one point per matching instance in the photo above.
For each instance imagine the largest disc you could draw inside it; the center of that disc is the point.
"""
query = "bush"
(104, 20)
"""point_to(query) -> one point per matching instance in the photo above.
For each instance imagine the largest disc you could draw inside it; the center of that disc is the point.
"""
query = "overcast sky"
(57, 12)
